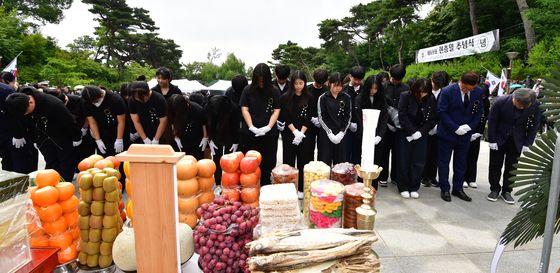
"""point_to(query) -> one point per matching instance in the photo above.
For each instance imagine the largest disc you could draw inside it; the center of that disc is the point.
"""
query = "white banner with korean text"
(485, 42)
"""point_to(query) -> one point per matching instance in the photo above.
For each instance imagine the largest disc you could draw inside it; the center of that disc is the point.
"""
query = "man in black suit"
(512, 126)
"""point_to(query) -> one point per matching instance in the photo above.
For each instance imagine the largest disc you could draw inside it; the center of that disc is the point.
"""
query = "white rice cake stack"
(279, 205)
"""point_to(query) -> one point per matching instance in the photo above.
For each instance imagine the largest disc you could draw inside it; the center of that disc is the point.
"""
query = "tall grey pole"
(551, 210)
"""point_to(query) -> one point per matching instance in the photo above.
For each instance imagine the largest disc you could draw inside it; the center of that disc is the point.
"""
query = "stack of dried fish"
(347, 250)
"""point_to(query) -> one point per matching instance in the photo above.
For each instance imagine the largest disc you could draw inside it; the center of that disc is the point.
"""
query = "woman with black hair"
(148, 112)
(334, 109)
(105, 112)
(186, 127)
(164, 86)
(372, 96)
(417, 110)
(440, 79)
(298, 107)
(260, 107)
(238, 83)
(474, 146)
(223, 129)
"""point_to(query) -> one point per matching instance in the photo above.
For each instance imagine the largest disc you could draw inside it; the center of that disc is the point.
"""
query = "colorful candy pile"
(325, 206)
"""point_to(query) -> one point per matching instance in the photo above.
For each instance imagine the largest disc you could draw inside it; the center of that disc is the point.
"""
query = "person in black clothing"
(474, 148)
(260, 107)
(334, 110)
(133, 136)
(56, 133)
(223, 128)
(106, 115)
(164, 86)
(417, 110)
(440, 79)
(282, 73)
(15, 149)
(371, 97)
(317, 88)
(298, 107)
(237, 84)
(186, 127)
(393, 92)
(384, 77)
(512, 127)
(76, 107)
(356, 76)
(148, 111)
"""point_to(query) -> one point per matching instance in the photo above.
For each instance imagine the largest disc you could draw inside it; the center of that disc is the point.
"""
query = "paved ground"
(432, 236)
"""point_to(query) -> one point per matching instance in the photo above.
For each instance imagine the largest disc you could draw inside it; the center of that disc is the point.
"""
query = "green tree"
(231, 67)
(40, 10)
(298, 58)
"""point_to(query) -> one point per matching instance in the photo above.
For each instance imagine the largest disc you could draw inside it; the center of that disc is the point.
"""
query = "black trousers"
(330, 153)
(389, 142)
(17, 160)
(430, 168)
(222, 150)
(266, 145)
(472, 161)
(302, 153)
(352, 147)
(412, 156)
(509, 152)
(59, 155)
(460, 150)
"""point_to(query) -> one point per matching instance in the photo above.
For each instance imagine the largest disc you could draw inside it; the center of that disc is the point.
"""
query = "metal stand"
(552, 209)
(366, 214)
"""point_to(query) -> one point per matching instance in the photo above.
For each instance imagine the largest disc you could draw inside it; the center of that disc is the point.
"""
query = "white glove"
(119, 145)
(353, 127)
(155, 141)
(263, 130)
(493, 146)
(524, 149)
(315, 122)
(376, 140)
(280, 125)
(433, 131)
(84, 131)
(391, 128)
(475, 136)
(147, 141)
(134, 137)
(18, 142)
(179, 144)
(333, 138)
(233, 148)
(296, 141)
(339, 136)
(460, 131)
(409, 138)
(213, 147)
(254, 130)
(101, 146)
(76, 143)
(466, 128)
(416, 135)
(203, 143)
(298, 137)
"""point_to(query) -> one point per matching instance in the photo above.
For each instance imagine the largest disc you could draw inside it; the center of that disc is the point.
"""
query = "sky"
(251, 29)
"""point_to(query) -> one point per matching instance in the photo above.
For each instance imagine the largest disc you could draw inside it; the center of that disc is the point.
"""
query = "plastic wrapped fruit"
(285, 174)
(344, 173)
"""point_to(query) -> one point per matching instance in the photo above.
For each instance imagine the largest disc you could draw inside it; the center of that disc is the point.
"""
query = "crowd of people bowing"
(420, 126)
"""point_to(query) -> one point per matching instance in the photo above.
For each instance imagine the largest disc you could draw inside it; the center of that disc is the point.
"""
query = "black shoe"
(493, 196)
(507, 198)
(435, 183)
(462, 195)
(445, 196)
(426, 182)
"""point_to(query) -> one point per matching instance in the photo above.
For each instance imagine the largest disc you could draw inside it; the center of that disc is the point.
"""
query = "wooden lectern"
(154, 176)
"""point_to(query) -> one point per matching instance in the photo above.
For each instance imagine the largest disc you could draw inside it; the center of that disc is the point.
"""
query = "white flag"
(503, 81)
(492, 81)
(12, 67)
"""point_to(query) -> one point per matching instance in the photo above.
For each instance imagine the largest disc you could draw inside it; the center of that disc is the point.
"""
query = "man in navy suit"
(459, 109)
(512, 126)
